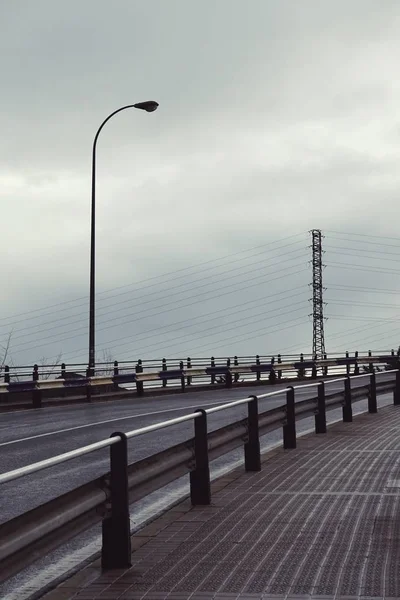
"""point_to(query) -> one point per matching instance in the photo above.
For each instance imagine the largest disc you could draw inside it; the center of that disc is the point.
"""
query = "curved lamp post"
(148, 106)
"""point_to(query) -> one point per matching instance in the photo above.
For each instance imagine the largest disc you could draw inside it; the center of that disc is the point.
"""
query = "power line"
(257, 331)
(259, 282)
(353, 318)
(333, 336)
(365, 256)
(254, 335)
(367, 304)
(130, 320)
(365, 235)
(120, 339)
(155, 277)
(359, 268)
(344, 287)
(226, 312)
(237, 325)
(135, 299)
(362, 250)
(374, 339)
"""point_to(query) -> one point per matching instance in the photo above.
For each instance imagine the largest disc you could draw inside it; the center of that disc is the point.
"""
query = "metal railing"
(229, 373)
(108, 497)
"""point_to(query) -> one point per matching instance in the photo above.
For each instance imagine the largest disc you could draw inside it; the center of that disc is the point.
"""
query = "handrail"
(307, 385)
(56, 460)
(162, 425)
(215, 409)
(49, 462)
(274, 393)
(186, 372)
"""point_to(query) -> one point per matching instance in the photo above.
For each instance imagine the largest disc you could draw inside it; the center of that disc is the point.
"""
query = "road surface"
(33, 435)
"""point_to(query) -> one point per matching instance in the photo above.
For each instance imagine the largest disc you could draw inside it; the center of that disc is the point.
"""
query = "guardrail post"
(236, 364)
(258, 363)
(314, 368)
(371, 366)
(36, 392)
(116, 531)
(115, 374)
(63, 375)
(372, 405)
(37, 398)
(325, 370)
(6, 374)
(200, 490)
(88, 386)
(139, 384)
(182, 378)
(289, 427)
(88, 392)
(347, 364)
(279, 363)
(252, 456)
(164, 368)
(356, 367)
(347, 410)
(228, 377)
(189, 366)
(301, 372)
(212, 366)
(396, 391)
(320, 416)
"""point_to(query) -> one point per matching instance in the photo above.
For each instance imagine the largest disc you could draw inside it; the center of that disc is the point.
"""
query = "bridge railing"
(254, 371)
(107, 498)
(63, 370)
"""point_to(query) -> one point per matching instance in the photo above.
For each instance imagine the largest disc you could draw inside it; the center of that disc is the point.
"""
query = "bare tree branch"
(50, 368)
(5, 352)
(106, 357)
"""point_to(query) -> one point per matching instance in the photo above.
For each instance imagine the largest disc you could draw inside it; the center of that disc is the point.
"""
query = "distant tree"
(107, 360)
(47, 370)
(7, 359)
(4, 353)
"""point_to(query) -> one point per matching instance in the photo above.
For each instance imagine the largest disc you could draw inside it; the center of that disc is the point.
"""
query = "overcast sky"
(275, 117)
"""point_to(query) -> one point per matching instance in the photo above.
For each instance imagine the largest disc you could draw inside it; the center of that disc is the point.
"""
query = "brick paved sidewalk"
(321, 521)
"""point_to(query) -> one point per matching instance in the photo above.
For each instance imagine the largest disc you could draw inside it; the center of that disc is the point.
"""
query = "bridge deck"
(321, 521)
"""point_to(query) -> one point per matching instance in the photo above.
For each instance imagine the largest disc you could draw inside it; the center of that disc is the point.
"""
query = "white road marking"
(167, 410)
(75, 428)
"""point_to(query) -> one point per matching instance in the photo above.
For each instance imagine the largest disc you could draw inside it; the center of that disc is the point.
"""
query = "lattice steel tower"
(317, 297)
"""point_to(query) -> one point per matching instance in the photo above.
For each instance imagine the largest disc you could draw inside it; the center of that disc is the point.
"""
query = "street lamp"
(148, 106)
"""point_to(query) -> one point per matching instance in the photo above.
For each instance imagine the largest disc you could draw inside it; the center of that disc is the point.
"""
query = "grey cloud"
(274, 117)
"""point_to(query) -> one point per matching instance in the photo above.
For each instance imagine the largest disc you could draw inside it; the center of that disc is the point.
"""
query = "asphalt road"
(32, 435)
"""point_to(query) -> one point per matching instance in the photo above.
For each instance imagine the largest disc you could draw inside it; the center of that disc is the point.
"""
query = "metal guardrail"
(107, 498)
(229, 372)
(45, 371)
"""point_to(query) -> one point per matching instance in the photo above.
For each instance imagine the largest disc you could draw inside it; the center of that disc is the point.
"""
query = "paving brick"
(317, 523)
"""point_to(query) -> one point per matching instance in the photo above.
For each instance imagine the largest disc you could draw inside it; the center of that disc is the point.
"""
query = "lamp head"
(148, 106)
